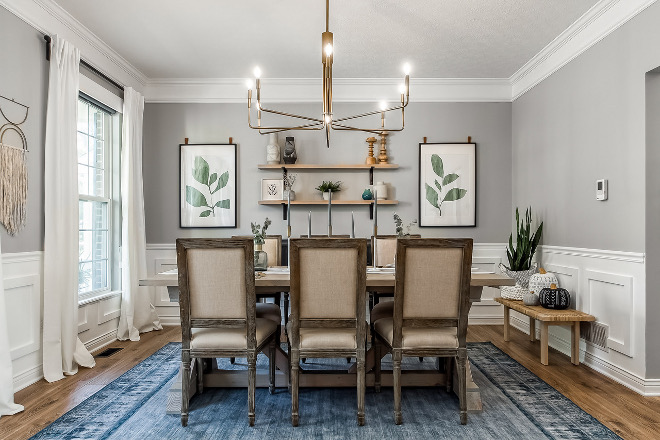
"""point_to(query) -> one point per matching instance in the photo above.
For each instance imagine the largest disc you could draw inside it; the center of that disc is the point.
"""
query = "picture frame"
(207, 186)
(447, 184)
(272, 189)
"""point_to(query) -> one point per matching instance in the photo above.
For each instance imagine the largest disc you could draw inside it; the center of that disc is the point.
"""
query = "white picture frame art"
(272, 189)
(207, 186)
(447, 184)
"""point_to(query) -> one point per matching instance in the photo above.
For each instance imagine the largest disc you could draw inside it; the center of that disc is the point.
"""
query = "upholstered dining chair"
(431, 305)
(326, 236)
(218, 318)
(328, 314)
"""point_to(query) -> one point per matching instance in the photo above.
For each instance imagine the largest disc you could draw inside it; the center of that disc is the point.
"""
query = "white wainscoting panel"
(610, 285)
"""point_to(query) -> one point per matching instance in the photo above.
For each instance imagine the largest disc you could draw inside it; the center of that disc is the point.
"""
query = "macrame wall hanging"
(13, 172)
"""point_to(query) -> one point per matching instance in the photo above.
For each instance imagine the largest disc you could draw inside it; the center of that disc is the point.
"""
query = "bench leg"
(532, 329)
(544, 343)
(575, 343)
(506, 323)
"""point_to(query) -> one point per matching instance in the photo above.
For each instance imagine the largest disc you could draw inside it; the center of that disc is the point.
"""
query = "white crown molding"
(50, 18)
(631, 257)
(598, 22)
(282, 90)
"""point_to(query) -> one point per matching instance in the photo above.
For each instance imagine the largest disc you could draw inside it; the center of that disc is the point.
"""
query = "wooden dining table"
(275, 281)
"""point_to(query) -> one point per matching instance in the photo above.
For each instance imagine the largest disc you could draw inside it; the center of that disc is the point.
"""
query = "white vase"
(273, 150)
(285, 194)
(381, 190)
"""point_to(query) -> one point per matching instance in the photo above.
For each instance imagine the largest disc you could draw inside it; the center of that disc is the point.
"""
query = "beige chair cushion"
(418, 337)
(385, 251)
(384, 309)
(327, 338)
(272, 248)
(229, 338)
(269, 311)
(217, 293)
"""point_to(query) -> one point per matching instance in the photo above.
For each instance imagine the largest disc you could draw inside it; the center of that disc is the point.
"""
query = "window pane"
(83, 123)
(96, 182)
(83, 149)
(99, 153)
(96, 119)
(85, 246)
(100, 274)
(84, 277)
(83, 179)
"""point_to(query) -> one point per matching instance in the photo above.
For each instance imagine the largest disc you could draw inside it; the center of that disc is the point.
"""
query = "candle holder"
(382, 155)
(371, 160)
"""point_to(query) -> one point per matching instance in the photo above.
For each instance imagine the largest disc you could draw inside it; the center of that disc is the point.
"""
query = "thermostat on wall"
(601, 189)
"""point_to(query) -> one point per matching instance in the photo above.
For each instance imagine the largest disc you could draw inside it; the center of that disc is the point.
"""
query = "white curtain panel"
(138, 315)
(62, 350)
(7, 405)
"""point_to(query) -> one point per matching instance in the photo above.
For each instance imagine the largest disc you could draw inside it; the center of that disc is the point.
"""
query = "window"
(97, 159)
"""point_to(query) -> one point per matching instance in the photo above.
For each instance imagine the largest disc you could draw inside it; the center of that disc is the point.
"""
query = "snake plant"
(520, 258)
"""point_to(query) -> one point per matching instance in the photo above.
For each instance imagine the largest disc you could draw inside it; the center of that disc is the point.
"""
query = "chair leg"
(185, 383)
(396, 379)
(421, 359)
(288, 345)
(462, 384)
(377, 354)
(252, 379)
(295, 356)
(361, 386)
(232, 360)
(348, 360)
(271, 366)
(449, 372)
(200, 375)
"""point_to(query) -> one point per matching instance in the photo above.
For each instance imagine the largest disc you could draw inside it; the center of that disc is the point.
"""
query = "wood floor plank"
(627, 413)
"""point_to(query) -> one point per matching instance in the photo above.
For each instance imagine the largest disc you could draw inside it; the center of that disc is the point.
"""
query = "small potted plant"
(327, 187)
(520, 258)
(260, 257)
(398, 224)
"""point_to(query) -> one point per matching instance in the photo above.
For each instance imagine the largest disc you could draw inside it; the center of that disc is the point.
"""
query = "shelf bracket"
(283, 211)
(371, 175)
(371, 210)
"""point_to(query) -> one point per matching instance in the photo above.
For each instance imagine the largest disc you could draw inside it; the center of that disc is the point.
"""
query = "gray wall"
(489, 124)
(586, 122)
(24, 77)
(652, 223)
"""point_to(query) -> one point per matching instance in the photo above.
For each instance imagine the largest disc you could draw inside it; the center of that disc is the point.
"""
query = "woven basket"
(512, 292)
(521, 276)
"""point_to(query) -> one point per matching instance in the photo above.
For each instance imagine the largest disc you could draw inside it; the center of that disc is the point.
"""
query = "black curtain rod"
(85, 64)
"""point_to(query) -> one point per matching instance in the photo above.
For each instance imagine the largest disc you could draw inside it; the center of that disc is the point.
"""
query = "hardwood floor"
(627, 413)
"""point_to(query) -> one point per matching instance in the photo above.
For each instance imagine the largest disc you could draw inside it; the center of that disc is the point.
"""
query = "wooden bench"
(547, 317)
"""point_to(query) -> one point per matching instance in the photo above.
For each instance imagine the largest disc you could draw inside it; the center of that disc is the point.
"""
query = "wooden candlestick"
(382, 155)
(371, 160)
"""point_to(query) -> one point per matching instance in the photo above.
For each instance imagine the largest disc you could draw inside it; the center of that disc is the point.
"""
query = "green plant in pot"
(520, 257)
(260, 257)
(326, 187)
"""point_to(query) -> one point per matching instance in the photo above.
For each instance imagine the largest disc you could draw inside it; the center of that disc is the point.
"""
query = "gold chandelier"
(327, 122)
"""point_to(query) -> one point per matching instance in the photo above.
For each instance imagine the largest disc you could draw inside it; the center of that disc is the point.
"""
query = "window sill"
(97, 298)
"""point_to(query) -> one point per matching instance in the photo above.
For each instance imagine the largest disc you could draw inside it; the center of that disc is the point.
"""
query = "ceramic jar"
(367, 194)
(273, 150)
(381, 190)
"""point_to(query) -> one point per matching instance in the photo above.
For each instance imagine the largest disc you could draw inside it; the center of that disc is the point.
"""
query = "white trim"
(48, 17)
(306, 90)
(101, 94)
(28, 377)
(97, 298)
(631, 257)
(498, 247)
(101, 341)
(598, 22)
(22, 257)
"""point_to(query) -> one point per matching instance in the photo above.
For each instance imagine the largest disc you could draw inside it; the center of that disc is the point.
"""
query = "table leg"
(532, 329)
(575, 343)
(544, 343)
(506, 323)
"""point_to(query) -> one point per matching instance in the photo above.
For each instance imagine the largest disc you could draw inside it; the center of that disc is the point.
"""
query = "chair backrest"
(328, 282)
(325, 236)
(432, 284)
(385, 249)
(272, 247)
(216, 284)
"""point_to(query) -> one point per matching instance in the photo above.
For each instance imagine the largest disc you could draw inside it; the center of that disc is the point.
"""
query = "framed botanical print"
(272, 189)
(447, 184)
(207, 185)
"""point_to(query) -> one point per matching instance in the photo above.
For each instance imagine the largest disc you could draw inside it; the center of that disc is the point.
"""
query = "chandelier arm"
(342, 127)
(269, 130)
(275, 112)
(375, 112)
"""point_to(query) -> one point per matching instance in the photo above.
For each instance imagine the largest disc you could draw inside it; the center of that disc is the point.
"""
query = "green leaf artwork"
(452, 195)
(196, 198)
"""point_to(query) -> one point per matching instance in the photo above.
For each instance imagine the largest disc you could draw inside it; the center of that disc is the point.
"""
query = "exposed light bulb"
(383, 105)
(328, 118)
(328, 49)
(402, 88)
(249, 84)
(257, 72)
(406, 68)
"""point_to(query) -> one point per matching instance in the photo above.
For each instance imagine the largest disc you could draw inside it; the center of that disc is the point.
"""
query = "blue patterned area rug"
(516, 405)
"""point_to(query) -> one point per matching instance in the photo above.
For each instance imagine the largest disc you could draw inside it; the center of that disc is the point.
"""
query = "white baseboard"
(27, 378)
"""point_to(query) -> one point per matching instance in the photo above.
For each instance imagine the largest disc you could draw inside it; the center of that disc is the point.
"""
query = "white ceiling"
(226, 39)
